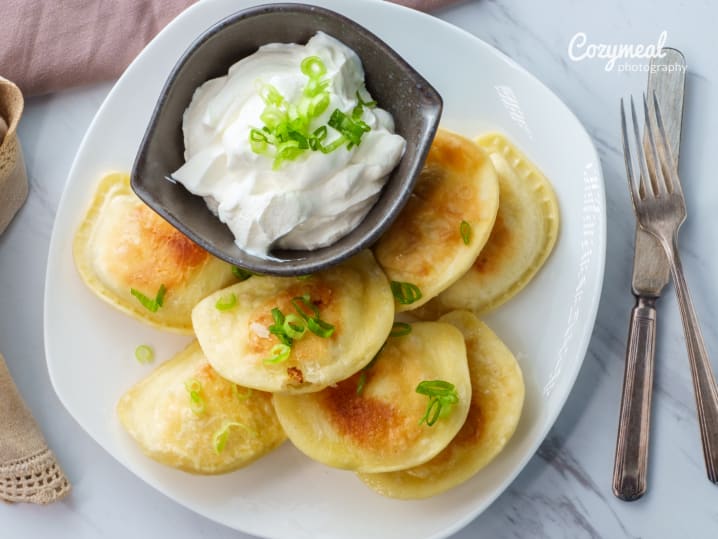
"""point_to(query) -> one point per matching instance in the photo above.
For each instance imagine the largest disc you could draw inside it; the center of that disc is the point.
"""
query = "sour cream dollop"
(308, 202)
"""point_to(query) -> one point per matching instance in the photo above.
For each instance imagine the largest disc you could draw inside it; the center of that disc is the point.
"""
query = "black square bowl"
(415, 105)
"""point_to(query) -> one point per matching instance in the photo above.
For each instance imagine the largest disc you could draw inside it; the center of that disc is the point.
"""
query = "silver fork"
(660, 210)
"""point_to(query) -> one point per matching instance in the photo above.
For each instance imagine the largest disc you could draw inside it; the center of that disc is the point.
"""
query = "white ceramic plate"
(90, 346)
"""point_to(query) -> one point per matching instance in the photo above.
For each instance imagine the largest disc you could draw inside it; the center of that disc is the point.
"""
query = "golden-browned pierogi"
(186, 416)
(376, 420)
(137, 262)
(444, 225)
(297, 334)
(522, 239)
(497, 396)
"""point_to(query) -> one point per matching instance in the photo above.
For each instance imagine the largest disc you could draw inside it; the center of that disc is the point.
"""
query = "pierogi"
(413, 408)
(372, 421)
(523, 236)
(186, 416)
(123, 246)
(445, 223)
(497, 395)
(353, 297)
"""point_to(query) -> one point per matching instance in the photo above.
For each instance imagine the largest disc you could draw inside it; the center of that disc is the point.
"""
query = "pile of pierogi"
(379, 365)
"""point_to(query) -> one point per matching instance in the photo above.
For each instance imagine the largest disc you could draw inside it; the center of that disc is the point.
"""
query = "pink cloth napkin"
(48, 45)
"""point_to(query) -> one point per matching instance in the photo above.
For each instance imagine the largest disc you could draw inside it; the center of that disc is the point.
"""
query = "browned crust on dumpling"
(123, 245)
(424, 246)
(151, 252)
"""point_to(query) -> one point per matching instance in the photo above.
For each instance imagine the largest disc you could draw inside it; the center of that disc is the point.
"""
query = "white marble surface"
(565, 489)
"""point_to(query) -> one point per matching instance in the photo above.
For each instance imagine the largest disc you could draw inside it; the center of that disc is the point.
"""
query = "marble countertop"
(565, 490)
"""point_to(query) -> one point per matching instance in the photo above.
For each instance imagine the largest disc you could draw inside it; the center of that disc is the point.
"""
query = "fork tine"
(645, 178)
(664, 150)
(635, 197)
(660, 185)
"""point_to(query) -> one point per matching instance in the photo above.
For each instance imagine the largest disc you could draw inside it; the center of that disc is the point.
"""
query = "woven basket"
(13, 177)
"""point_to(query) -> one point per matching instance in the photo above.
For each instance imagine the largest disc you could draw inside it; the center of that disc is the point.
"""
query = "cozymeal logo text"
(617, 55)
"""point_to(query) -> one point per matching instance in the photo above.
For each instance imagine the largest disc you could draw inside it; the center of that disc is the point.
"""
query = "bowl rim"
(306, 264)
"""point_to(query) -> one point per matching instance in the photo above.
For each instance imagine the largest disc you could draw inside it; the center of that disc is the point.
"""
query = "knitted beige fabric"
(13, 178)
(28, 469)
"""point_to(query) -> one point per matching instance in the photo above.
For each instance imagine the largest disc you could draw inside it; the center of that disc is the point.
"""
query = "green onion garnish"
(220, 437)
(225, 303)
(351, 129)
(144, 354)
(193, 385)
(405, 293)
(160, 298)
(363, 375)
(315, 324)
(359, 109)
(313, 67)
(442, 396)
(196, 402)
(362, 382)
(150, 304)
(241, 274)
(278, 328)
(304, 277)
(300, 302)
(288, 328)
(241, 396)
(293, 326)
(280, 352)
(287, 124)
(465, 230)
(399, 329)
(320, 328)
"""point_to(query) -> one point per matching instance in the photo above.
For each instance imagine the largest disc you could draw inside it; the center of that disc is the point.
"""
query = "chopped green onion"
(144, 354)
(225, 303)
(258, 142)
(286, 124)
(193, 385)
(315, 88)
(320, 328)
(405, 293)
(305, 302)
(294, 327)
(363, 375)
(241, 274)
(370, 104)
(242, 396)
(465, 230)
(277, 316)
(278, 327)
(336, 144)
(359, 109)
(313, 67)
(304, 277)
(442, 396)
(220, 437)
(362, 382)
(352, 129)
(315, 324)
(160, 298)
(150, 304)
(399, 329)
(196, 402)
(270, 95)
(280, 352)
(315, 141)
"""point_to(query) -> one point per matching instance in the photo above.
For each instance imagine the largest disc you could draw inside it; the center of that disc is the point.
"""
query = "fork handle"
(629, 469)
(704, 384)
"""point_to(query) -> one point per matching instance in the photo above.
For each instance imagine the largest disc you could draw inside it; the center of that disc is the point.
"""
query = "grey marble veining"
(565, 490)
